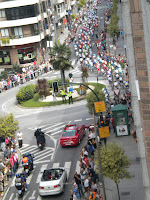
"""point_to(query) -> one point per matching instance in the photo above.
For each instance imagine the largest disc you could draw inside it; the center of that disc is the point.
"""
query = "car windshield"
(68, 133)
(52, 174)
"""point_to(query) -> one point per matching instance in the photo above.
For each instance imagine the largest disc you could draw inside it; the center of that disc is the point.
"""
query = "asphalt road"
(52, 122)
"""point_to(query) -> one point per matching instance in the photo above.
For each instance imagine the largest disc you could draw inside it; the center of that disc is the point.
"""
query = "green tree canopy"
(114, 163)
(91, 98)
(60, 61)
(8, 126)
(73, 16)
(4, 75)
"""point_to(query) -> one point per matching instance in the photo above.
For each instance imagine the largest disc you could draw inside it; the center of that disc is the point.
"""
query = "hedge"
(26, 93)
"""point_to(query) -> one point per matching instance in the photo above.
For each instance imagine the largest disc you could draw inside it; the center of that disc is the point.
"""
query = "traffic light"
(101, 121)
(55, 86)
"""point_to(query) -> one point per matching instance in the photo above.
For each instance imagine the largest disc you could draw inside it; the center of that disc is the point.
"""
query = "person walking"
(63, 93)
(20, 138)
(70, 97)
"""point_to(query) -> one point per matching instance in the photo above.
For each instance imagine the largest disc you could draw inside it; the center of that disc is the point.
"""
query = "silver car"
(52, 181)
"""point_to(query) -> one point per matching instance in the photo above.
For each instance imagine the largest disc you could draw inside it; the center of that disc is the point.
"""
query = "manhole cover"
(125, 193)
(137, 159)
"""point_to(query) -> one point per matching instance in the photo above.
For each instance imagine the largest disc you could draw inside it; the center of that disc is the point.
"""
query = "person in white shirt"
(20, 138)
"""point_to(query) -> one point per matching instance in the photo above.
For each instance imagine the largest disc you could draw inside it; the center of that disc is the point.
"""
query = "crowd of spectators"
(8, 164)
(28, 73)
(85, 184)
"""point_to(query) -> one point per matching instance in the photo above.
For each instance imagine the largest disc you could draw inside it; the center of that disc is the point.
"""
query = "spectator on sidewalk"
(77, 179)
(20, 138)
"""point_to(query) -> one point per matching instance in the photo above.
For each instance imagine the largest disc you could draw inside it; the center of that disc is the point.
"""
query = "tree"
(60, 61)
(4, 75)
(8, 126)
(84, 74)
(81, 3)
(91, 98)
(114, 163)
(43, 88)
(73, 16)
(17, 68)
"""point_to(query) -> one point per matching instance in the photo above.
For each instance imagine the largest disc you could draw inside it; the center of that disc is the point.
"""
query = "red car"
(72, 135)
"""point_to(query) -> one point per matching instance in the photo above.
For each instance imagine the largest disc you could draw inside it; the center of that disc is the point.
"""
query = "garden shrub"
(26, 93)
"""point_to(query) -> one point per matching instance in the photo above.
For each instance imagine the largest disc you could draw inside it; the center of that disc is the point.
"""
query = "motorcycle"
(41, 145)
(27, 169)
(20, 187)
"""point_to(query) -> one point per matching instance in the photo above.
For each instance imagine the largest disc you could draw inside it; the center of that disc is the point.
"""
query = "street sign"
(104, 132)
(114, 48)
(100, 106)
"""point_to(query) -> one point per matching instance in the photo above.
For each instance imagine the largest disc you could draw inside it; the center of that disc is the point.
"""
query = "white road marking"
(26, 194)
(56, 132)
(30, 177)
(40, 173)
(78, 167)
(78, 120)
(36, 161)
(40, 152)
(43, 161)
(33, 195)
(11, 197)
(29, 149)
(39, 197)
(23, 146)
(47, 152)
(52, 126)
(57, 128)
(73, 62)
(88, 118)
(67, 167)
(55, 165)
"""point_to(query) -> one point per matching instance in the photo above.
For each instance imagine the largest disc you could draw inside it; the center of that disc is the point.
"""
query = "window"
(21, 12)
(58, 8)
(5, 58)
(4, 32)
(2, 13)
(18, 32)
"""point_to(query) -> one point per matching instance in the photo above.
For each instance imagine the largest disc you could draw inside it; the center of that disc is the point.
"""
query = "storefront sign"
(20, 56)
(25, 58)
(1, 60)
(104, 132)
(6, 59)
(122, 130)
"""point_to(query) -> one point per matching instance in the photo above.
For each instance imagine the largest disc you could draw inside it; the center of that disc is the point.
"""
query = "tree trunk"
(118, 190)
(62, 79)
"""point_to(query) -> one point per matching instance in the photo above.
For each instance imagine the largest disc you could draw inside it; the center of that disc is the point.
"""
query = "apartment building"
(25, 27)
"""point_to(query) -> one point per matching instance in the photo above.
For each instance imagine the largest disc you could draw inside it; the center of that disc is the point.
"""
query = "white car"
(52, 181)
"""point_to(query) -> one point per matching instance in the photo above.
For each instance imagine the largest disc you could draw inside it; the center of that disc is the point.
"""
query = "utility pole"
(56, 38)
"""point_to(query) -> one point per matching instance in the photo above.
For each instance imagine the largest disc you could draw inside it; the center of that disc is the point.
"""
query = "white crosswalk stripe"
(38, 154)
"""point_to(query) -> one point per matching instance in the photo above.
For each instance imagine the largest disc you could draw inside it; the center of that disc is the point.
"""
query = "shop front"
(26, 55)
(5, 57)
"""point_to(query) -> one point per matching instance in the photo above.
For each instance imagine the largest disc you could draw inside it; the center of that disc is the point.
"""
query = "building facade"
(25, 28)
(136, 16)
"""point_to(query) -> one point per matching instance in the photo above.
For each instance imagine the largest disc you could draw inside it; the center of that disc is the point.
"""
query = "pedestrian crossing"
(34, 179)
(39, 156)
(51, 129)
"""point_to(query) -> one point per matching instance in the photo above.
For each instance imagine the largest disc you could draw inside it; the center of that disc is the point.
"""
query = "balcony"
(16, 3)
(26, 39)
(72, 2)
(61, 15)
(55, 2)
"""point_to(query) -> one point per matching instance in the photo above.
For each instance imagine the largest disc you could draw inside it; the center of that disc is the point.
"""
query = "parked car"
(52, 181)
(72, 135)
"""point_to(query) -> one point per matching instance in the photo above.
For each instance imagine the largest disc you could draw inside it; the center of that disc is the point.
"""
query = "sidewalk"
(63, 35)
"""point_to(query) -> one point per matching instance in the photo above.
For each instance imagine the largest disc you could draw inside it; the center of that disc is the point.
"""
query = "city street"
(52, 120)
